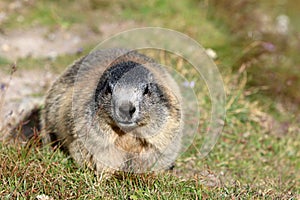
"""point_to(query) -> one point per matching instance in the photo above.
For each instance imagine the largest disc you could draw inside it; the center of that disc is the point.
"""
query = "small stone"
(43, 197)
(211, 53)
(5, 47)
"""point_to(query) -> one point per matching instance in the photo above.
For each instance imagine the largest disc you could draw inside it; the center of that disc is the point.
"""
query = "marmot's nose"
(126, 110)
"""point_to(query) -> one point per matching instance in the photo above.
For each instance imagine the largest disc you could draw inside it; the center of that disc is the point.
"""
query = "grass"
(256, 157)
(278, 68)
(42, 13)
(28, 171)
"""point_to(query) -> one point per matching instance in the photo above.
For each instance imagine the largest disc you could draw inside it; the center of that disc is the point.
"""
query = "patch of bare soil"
(40, 42)
(20, 95)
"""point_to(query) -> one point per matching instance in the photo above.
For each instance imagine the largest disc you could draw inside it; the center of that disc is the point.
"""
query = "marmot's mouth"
(126, 125)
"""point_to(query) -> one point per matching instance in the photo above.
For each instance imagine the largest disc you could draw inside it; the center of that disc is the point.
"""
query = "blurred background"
(259, 37)
(255, 45)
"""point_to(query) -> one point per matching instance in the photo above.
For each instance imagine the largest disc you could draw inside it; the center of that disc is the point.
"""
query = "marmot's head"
(132, 98)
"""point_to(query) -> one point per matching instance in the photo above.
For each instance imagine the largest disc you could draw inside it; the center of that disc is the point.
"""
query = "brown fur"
(93, 137)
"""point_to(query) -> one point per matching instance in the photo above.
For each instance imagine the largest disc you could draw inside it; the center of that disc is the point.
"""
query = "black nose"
(126, 110)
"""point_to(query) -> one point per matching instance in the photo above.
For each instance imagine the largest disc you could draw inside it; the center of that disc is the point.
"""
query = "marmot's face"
(131, 97)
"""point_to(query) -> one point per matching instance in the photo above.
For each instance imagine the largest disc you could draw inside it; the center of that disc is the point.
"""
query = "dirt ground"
(40, 42)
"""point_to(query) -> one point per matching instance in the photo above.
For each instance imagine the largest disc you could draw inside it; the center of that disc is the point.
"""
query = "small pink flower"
(269, 46)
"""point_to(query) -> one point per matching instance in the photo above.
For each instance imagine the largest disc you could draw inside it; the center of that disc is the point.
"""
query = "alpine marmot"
(115, 109)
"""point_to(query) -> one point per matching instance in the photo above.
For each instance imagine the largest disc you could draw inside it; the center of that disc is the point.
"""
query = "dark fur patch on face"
(152, 93)
(111, 76)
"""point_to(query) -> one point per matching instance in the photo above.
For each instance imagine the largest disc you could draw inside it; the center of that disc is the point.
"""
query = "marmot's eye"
(108, 89)
(146, 90)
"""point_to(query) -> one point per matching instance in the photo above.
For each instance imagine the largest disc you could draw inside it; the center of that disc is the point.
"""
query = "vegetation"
(257, 155)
